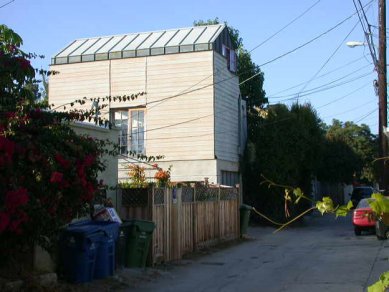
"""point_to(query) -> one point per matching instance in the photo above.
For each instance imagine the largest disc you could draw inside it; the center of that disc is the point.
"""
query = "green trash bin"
(134, 242)
(245, 211)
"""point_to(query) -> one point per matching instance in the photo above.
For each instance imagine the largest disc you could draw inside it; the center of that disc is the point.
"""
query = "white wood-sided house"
(191, 112)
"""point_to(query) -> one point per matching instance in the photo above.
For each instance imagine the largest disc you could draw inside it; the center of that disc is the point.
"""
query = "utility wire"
(323, 75)
(7, 3)
(350, 110)
(365, 116)
(323, 87)
(368, 33)
(302, 45)
(326, 62)
(330, 87)
(291, 22)
(344, 96)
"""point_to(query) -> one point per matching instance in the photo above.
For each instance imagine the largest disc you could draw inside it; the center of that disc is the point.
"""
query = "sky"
(335, 79)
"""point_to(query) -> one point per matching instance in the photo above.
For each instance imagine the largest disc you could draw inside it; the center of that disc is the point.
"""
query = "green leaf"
(381, 284)
(385, 279)
(325, 206)
(299, 194)
(376, 287)
(341, 211)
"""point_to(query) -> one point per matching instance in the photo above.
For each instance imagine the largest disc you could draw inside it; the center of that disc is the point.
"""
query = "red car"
(363, 217)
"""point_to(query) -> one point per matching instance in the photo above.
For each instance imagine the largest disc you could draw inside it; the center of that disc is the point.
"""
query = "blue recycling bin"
(88, 250)
(105, 257)
(78, 250)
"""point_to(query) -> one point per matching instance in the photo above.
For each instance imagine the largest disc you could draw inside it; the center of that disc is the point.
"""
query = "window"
(132, 130)
(231, 58)
(230, 178)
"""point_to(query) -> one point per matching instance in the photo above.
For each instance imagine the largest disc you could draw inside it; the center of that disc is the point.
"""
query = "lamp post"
(380, 67)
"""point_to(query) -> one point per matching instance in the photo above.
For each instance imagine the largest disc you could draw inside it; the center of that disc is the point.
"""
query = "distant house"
(192, 112)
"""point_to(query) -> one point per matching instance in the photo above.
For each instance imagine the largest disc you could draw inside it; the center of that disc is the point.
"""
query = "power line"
(7, 3)
(185, 90)
(302, 45)
(365, 116)
(344, 96)
(327, 61)
(323, 87)
(291, 22)
(350, 110)
(367, 32)
(323, 75)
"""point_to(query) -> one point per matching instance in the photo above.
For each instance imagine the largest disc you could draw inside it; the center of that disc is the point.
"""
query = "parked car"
(360, 193)
(363, 217)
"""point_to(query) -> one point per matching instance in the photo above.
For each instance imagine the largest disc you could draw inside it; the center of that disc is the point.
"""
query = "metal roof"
(198, 38)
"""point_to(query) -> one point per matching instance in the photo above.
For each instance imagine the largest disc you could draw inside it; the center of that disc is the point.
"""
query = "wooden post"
(179, 218)
(167, 229)
(194, 218)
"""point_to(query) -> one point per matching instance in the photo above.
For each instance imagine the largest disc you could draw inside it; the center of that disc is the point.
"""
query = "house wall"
(227, 117)
(181, 127)
(110, 174)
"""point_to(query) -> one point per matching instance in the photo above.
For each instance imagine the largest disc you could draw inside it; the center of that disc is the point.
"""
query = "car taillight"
(359, 214)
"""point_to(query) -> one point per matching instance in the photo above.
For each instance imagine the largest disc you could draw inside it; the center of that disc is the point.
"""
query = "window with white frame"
(131, 123)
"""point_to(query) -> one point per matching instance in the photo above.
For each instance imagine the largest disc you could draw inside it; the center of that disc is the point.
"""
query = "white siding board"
(226, 112)
(76, 81)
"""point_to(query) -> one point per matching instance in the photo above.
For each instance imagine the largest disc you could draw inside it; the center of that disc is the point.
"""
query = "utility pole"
(382, 96)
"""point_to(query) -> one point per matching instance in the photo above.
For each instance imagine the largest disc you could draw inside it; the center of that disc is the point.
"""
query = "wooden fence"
(186, 218)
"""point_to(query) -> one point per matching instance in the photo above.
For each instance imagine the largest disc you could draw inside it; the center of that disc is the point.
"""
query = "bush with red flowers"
(48, 174)
(162, 176)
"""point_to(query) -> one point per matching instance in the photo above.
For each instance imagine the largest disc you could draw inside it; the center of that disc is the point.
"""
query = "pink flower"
(62, 161)
(56, 177)
(14, 199)
(89, 160)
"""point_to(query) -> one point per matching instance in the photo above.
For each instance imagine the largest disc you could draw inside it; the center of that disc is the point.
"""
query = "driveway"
(320, 255)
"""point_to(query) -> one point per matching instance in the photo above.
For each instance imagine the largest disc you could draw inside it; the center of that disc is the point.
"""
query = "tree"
(48, 174)
(283, 146)
(363, 144)
(338, 162)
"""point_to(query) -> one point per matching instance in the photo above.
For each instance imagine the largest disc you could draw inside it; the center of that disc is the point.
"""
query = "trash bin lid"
(141, 225)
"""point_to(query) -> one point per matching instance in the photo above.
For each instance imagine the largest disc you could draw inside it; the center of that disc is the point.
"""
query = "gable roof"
(198, 38)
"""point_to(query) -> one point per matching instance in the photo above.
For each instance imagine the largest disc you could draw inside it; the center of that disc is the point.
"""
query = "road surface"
(322, 254)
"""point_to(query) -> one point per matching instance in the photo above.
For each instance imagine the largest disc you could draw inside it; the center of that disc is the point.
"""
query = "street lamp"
(353, 44)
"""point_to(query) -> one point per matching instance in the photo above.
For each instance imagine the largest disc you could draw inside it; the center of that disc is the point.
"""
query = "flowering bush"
(137, 177)
(47, 172)
(162, 176)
